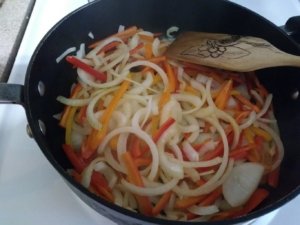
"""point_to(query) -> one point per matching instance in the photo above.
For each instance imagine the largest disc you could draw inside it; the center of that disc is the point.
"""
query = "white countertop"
(31, 191)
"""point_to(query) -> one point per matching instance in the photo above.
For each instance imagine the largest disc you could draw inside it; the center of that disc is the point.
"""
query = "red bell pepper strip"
(157, 135)
(273, 178)
(256, 198)
(78, 163)
(97, 181)
(78, 63)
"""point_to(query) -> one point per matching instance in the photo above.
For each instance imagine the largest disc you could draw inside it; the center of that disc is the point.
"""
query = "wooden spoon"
(230, 52)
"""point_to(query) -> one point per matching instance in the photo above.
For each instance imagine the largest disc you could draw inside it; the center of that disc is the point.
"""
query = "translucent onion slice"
(108, 173)
(65, 53)
(141, 134)
(102, 44)
(171, 168)
(191, 99)
(216, 179)
(250, 120)
(150, 191)
(266, 106)
(242, 182)
(203, 210)
(91, 115)
(159, 70)
(72, 101)
(190, 152)
(87, 172)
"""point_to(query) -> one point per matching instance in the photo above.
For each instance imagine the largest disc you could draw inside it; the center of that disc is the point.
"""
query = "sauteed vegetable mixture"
(165, 138)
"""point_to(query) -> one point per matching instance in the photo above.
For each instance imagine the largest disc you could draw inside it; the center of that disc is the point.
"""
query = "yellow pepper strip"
(262, 133)
(64, 118)
(224, 95)
(156, 79)
(191, 90)
(249, 135)
(154, 124)
(69, 125)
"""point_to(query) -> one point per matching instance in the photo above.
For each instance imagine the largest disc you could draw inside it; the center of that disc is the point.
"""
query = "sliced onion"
(203, 210)
(72, 101)
(150, 191)
(159, 70)
(81, 52)
(87, 172)
(251, 119)
(242, 182)
(191, 99)
(266, 106)
(141, 134)
(65, 53)
(190, 152)
(169, 167)
(108, 173)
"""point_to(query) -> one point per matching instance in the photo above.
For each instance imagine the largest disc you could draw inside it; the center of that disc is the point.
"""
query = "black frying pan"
(46, 79)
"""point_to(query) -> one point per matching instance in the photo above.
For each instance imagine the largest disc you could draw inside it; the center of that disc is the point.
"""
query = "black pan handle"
(11, 93)
(292, 28)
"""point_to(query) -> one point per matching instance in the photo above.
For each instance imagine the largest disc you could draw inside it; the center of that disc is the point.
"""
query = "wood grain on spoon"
(230, 52)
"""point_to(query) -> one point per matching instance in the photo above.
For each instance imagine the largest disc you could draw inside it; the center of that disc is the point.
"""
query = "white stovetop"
(31, 191)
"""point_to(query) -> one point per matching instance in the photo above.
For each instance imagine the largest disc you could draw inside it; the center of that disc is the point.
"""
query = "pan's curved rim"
(136, 216)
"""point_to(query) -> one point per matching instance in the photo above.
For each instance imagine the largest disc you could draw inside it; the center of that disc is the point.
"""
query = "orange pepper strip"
(124, 35)
(246, 102)
(139, 162)
(241, 152)
(184, 203)
(134, 177)
(212, 197)
(136, 49)
(249, 135)
(171, 76)
(158, 59)
(161, 204)
(148, 50)
(224, 95)
(148, 38)
(97, 136)
(109, 47)
(242, 115)
(67, 109)
(165, 97)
